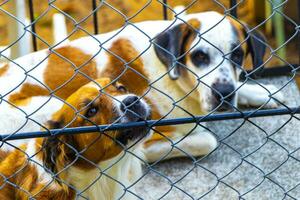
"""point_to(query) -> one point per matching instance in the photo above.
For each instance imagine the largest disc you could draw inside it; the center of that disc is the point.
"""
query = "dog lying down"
(87, 166)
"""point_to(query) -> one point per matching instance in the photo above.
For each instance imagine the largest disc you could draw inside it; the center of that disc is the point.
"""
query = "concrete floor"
(246, 163)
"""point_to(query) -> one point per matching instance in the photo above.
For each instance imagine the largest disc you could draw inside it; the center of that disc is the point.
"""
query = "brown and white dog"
(184, 68)
(84, 166)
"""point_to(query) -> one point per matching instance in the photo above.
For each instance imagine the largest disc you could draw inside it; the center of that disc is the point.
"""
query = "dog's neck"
(108, 180)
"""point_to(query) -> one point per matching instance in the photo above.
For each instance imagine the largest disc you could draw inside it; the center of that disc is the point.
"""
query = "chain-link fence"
(197, 105)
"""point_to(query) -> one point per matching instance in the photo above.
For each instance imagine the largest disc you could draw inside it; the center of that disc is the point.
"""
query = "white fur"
(199, 143)
(118, 174)
(33, 63)
(257, 95)
(14, 121)
(180, 11)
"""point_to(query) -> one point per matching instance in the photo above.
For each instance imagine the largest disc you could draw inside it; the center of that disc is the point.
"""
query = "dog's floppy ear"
(256, 44)
(57, 151)
(171, 45)
(256, 47)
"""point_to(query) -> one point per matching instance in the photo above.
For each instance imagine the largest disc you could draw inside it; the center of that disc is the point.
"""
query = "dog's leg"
(256, 95)
(197, 144)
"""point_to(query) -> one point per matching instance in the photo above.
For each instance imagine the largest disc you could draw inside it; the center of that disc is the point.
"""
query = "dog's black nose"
(134, 109)
(129, 102)
(223, 91)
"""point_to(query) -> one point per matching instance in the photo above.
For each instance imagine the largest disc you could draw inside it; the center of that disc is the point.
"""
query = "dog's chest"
(104, 181)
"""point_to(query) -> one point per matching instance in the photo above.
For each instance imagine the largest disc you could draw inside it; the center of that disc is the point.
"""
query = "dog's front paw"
(255, 95)
(276, 96)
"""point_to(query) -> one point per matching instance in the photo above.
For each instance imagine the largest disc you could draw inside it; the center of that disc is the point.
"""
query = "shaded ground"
(258, 161)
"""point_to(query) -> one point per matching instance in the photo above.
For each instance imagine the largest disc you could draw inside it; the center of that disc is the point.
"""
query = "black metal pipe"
(165, 10)
(164, 122)
(95, 17)
(233, 8)
(31, 14)
(274, 71)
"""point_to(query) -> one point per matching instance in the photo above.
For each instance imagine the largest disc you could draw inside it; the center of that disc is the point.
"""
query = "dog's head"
(94, 104)
(210, 48)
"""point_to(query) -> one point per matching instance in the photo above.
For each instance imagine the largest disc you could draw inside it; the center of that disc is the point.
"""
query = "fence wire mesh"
(177, 108)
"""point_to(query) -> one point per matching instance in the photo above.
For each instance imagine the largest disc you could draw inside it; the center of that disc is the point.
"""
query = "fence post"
(165, 11)
(31, 14)
(59, 28)
(16, 30)
(233, 11)
(279, 30)
(95, 17)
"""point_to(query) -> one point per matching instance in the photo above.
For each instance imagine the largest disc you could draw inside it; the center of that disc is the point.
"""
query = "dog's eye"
(91, 112)
(121, 88)
(237, 57)
(200, 58)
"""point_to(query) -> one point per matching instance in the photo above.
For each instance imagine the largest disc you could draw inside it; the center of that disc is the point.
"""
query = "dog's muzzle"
(223, 96)
(133, 110)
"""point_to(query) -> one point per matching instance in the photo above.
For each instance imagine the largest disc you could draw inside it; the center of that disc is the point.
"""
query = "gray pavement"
(247, 163)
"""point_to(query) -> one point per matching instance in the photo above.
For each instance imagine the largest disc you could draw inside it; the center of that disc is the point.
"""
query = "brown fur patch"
(57, 73)
(27, 91)
(3, 155)
(189, 33)
(159, 136)
(23, 174)
(161, 132)
(60, 70)
(298, 81)
(23, 102)
(238, 26)
(195, 23)
(3, 70)
(125, 51)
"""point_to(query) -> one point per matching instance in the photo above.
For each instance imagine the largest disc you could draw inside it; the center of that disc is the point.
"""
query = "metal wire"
(255, 158)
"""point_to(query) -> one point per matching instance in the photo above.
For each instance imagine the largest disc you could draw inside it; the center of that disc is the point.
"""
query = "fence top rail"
(150, 123)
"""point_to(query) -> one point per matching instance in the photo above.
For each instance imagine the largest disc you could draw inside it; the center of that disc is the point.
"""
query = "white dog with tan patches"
(182, 68)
